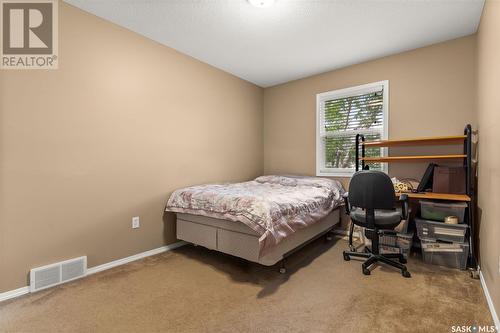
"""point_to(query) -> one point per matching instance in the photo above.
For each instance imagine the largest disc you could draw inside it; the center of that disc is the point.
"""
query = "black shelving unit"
(469, 198)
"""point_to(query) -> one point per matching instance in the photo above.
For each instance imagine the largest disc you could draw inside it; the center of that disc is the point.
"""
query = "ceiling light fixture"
(261, 3)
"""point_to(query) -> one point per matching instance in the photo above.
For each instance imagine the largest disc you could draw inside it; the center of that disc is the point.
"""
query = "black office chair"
(370, 203)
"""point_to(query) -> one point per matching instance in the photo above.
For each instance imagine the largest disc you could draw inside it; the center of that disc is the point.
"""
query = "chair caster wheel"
(366, 271)
(406, 274)
(282, 270)
(346, 257)
(403, 260)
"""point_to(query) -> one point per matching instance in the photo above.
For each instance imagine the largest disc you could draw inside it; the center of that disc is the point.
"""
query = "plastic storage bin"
(441, 231)
(452, 255)
(386, 249)
(438, 210)
(400, 243)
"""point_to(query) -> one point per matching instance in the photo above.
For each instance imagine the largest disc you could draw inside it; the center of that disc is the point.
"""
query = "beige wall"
(489, 157)
(431, 91)
(107, 136)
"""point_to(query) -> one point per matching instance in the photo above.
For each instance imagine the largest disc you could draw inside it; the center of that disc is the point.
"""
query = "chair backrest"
(371, 190)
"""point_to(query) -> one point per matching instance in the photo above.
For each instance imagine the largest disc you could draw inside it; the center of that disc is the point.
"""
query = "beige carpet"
(197, 290)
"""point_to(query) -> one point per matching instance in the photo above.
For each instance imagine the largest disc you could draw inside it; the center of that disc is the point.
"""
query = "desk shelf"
(412, 158)
(438, 196)
(435, 141)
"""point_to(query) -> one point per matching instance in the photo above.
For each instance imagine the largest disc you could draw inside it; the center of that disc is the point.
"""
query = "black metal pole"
(357, 152)
(468, 153)
(351, 227)
(472, 262)
(363, 152)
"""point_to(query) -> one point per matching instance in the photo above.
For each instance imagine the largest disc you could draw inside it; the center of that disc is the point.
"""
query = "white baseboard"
(14, 293)
(25, 290)
(489, 300)
(135, 257)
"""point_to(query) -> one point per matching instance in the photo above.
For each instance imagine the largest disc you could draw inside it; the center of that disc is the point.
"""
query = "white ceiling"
(293, 38)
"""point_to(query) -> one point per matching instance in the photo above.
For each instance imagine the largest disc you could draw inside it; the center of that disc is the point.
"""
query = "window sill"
(345, 174)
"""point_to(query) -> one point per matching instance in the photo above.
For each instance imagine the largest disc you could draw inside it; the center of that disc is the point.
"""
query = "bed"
(262, 220)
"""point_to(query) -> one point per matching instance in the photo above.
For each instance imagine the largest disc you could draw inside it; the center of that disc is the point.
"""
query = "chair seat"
(382, 217)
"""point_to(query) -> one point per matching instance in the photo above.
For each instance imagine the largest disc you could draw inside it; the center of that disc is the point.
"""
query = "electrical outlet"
(136, 223)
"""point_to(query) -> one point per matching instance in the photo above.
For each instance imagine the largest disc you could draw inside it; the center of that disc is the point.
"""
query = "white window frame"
(320, 133)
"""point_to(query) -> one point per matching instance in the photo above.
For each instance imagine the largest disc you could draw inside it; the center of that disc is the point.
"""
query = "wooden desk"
(438, 196)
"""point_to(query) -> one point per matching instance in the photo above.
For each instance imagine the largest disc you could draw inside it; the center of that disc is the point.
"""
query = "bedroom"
(151, 97)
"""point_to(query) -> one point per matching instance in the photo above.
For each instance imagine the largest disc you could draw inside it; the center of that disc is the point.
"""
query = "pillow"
(273, 179)
(295, 180)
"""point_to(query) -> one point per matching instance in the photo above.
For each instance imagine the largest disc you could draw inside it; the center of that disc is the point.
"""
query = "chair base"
(383, 258)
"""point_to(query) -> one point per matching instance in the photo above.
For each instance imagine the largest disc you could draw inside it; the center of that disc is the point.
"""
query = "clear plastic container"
(404, 241)
(438, 210)
(441, 231)
(452, 255)
(400, 243)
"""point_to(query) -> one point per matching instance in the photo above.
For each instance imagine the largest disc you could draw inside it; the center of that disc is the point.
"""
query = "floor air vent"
(60, 272)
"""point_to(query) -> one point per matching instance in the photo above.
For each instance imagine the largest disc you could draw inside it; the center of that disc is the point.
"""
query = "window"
(341, 114)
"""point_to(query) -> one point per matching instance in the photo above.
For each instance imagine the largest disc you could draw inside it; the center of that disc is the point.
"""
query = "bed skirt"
(236, 239)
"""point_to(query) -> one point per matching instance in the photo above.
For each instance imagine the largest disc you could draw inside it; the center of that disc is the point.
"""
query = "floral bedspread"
(273, 206)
